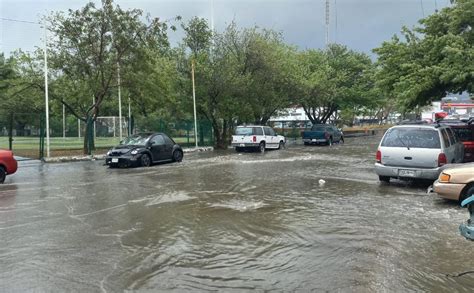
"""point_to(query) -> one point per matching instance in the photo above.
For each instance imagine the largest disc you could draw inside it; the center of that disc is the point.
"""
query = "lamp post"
(120, 101)
(46, 96)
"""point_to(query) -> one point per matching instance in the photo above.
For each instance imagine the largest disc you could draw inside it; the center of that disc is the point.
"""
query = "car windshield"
(412, 138)
(318, 128)
(244, 131)
(135, 140)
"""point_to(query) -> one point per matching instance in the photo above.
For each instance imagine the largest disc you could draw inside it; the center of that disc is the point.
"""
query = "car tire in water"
(282, 145)
(177, 156)
(385, 179)
(238, 149)
(261, 147)
(145, 160)
(3, 175)
(469, 192)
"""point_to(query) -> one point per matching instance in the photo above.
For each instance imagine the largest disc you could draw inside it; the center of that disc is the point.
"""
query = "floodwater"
(230, 222)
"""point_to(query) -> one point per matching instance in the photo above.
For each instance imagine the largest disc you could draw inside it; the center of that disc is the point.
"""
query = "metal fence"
(24, 133)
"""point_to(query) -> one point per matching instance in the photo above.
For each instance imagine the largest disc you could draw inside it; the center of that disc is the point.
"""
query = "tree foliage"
(431, 60)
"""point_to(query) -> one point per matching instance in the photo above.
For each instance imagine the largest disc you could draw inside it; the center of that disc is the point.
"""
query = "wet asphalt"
(299, 219)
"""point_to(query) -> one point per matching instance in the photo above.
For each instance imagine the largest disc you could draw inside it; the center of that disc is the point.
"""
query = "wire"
(17, 20)
(422, 8)
(335, 18)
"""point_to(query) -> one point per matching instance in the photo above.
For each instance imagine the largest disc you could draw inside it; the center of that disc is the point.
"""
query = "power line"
(422, 8)
(18, 20)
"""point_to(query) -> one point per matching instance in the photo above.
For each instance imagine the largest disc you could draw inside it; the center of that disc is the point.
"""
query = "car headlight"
(109, 153)
(444, 177)
(134, 152)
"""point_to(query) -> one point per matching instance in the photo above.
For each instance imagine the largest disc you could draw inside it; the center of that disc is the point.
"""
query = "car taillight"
(442, 159)
(378, 156)
(254, 138)
(444, 177)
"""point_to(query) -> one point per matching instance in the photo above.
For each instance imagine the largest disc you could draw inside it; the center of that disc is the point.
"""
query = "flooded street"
(230, 222)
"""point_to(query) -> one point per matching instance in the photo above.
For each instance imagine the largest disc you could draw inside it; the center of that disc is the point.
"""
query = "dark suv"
(464, 129)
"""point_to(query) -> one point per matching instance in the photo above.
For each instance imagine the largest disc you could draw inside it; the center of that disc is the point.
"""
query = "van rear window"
(249, 131)
(412, 137)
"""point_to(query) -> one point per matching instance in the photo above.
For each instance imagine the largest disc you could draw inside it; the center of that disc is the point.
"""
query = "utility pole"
(194, 103)
(46, 94)
(327, 23)
(120, 101)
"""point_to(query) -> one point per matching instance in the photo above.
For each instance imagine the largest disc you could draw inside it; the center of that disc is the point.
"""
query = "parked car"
(143, 150)
(456, 182)
(416, 152)
(8, 164)
(322, 134)
(464, 129)
(257, 137)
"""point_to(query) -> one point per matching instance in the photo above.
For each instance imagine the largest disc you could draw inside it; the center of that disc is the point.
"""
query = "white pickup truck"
(257, 137)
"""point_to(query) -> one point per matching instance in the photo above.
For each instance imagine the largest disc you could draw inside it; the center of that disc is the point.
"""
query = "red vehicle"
(8, 164)
(465, 131)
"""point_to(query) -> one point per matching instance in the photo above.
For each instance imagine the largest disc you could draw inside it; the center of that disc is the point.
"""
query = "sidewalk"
(102, 156)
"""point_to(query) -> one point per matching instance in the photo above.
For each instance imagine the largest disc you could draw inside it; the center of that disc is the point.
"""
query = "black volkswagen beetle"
(144, 149)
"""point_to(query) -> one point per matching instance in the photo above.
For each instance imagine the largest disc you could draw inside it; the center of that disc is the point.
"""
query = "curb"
(102, 157)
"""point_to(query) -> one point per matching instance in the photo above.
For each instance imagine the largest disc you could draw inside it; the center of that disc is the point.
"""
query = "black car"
(144, 149)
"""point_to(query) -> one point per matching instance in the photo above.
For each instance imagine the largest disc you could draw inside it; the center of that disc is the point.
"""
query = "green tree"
(433, 59)
(90, 46)
(332, 80)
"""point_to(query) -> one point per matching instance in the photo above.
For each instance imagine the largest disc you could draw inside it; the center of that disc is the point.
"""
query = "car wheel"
(238, 149)
(306, 143)
(3, 175)
(385, 179)
(469, 192)
(145, 160)
(177, 156)
(282, 145)
(261, 147)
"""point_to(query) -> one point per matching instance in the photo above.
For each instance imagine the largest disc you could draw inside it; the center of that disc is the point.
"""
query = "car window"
(412, 137)
(157, 140)
(318, 128)
(464, 133)
(444, 134)
(268, 131)
(257, 131)
(244, 130)
(452, 136)
(168, 140)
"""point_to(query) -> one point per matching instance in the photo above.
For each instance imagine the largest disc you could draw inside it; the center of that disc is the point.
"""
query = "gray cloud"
(359, 24)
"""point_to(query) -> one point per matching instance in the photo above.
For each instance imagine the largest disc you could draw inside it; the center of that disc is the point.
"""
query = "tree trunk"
(89, 144)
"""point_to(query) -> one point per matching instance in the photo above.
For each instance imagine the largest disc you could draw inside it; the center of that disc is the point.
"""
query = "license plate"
(115, 160)
(406, 173)
(242, 144)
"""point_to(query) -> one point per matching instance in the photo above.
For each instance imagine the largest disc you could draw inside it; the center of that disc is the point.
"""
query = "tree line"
(243, 75)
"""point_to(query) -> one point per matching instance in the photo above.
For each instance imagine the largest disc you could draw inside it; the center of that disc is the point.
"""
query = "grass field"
(69, 146)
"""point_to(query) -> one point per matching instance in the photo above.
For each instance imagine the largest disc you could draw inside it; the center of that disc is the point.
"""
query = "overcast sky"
(360, 24)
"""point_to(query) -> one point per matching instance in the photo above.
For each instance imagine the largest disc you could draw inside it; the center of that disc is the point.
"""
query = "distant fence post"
(41, 138)
(10, 133)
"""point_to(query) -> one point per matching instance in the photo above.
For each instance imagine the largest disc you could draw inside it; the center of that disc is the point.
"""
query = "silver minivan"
(416, 152)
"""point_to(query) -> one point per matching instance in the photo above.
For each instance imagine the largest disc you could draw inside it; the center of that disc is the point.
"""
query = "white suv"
(257, 137)
(417, 152)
